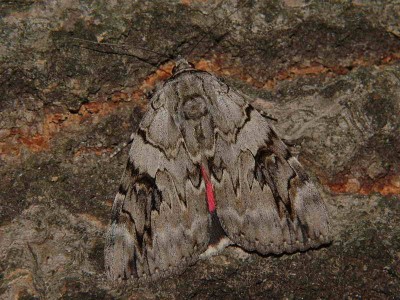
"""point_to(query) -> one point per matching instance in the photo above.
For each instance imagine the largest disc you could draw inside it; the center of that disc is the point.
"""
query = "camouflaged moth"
(206, 169)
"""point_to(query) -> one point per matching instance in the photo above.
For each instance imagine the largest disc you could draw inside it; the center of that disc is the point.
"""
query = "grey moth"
(207, 169)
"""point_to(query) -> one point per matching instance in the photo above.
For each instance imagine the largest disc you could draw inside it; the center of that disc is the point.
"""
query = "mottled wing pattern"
(265, 200)
(198, 129)
(159, 216)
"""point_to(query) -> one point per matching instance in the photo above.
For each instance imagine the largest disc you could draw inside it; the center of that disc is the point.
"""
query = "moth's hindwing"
(201, 140)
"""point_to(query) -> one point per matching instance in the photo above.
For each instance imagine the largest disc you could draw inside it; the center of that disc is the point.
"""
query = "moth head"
(182, 65)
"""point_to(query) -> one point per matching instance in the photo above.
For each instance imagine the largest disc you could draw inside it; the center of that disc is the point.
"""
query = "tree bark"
(74, 76)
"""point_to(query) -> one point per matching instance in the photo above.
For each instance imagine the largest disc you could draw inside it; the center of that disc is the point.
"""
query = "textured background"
(329, 71)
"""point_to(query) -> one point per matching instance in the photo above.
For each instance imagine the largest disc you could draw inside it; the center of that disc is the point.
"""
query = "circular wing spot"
(194, 108)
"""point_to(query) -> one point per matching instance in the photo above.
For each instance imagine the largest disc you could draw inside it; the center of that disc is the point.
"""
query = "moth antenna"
(122, 147)
(123, 45)
(217, 24)
(124, 54)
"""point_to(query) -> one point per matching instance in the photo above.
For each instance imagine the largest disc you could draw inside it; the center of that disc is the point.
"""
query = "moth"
(207, 170)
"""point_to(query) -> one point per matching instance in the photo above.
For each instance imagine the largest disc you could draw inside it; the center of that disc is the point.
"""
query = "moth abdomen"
(217, 233)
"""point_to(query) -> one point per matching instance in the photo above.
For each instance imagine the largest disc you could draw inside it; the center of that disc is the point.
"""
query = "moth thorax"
(194, 108)
(182, 65)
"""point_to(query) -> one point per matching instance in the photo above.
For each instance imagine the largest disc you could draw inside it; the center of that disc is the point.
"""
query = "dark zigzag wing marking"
(152, 235)
(279, 210)
(265, 200)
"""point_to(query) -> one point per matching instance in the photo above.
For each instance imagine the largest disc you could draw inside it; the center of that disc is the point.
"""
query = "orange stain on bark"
(15, 139)
(93, 112)
(56, 122)
(388, 185)
(92, 150)
(218, 65)
(161, 74)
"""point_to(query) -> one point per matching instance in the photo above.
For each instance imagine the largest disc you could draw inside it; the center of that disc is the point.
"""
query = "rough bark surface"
(329, 72)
